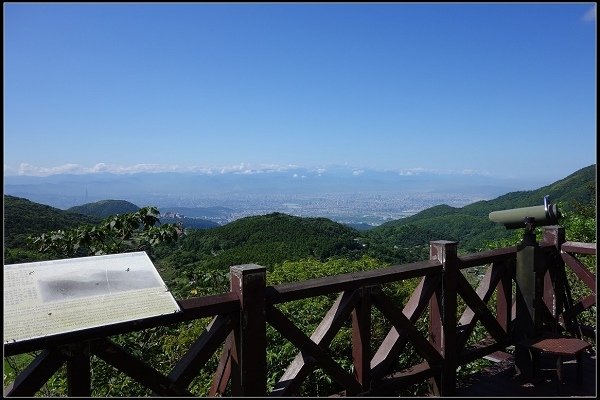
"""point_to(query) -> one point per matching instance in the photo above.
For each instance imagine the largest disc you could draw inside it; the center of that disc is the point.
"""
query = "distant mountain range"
(469, 225)
(164, 189)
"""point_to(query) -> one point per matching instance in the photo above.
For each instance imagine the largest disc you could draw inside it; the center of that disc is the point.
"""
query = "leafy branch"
(135, 231)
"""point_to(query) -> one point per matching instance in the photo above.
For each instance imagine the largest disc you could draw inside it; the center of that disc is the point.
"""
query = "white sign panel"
(51, 297)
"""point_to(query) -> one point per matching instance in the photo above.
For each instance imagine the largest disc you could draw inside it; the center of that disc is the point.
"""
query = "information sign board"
(52, 297)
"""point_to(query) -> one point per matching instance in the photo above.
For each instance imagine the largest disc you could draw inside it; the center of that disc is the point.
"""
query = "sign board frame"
(49, 298)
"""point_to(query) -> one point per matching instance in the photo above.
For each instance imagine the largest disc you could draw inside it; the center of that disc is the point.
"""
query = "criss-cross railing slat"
(224, 369)
(579, 307)
(580, 270)
(323, 335)
(135, 368)
(567, 308)
(201, 350)
(37, 373)
(309, 348)
(408, 376)
(480, 308)
(485, 290)
(395, 341)
(403, 324)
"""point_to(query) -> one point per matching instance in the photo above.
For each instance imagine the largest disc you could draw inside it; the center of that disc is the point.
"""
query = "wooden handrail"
(286, 292)
(193, 308)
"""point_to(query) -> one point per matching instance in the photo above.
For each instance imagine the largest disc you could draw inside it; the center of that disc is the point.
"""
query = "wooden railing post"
(361, 339)
(248, 282)
(78, 369)
(442, 316)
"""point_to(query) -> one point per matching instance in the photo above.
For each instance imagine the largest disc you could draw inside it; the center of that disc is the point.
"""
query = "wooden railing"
(240, 318)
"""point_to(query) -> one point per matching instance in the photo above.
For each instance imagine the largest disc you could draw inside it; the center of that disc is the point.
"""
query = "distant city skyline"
(499, 89)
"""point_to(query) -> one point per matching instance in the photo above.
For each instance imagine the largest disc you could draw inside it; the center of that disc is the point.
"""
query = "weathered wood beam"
(350, 281)
(291, 332)
(391, 384)
(580, 270)
(201, 350)
(37, 373)
(223, 373)
(484, 291)
(119, 358)
(394, 341)
(480, 308)
(194, 308)
(579, 247)
(403, 324)
(324, 333)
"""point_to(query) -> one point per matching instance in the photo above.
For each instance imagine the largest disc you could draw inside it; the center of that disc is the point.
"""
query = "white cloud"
(412, 171)
(319, 171)
(242, 168)
(419, 171)
(590, 15)
(28, 169)
(10, 170)
(77, 169)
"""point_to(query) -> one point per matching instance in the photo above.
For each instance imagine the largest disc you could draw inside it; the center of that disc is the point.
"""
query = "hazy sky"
(505, 89)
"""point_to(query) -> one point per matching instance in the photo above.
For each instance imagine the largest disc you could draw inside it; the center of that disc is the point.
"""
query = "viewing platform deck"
(500, 380)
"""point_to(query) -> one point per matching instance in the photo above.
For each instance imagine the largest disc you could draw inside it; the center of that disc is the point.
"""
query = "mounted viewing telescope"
(547, 214)
(529, 277)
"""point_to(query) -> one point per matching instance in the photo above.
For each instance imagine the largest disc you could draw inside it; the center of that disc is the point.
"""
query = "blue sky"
(502, 89)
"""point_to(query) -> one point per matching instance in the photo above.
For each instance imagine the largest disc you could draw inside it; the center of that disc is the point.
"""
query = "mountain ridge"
(469, 225)
(67, 190)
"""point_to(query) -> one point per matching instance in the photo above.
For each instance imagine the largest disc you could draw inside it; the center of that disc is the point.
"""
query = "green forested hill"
(105, 208)
(470, 225)
(23, 217)
(265, 240)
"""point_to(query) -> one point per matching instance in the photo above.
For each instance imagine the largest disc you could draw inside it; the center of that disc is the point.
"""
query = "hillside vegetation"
(23, 217)
(105, 208)
(470, 225)
(266, 240)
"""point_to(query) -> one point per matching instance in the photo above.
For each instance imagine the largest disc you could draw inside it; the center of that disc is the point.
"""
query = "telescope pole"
(528, 294)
